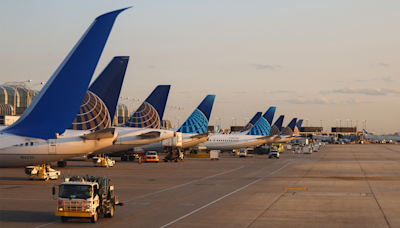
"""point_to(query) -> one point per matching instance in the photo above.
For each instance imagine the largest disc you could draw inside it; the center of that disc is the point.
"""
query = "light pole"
(347, 122)
(245, 121)
(340, 121)
(15, 96)
(29, 93)
(306, 122)
(133, 101)
(232, 122)
(337, 122)
(178, 120)
(235, 122)
(216, 122)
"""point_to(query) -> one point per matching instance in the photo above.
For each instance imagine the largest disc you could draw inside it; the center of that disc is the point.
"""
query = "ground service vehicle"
(173, 148)
(274, 153)
(214, 154)
(242, 152)
(103, 161)
(85, 197)
(279, 146)
(151, 156)
(43, 172)
(250, 152)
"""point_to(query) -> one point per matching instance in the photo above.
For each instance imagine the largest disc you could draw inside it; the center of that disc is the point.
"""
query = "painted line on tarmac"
(47, 224)
(183, 184)
(176, 220)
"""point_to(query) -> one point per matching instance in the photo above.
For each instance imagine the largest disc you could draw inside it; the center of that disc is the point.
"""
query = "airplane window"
(26, 144)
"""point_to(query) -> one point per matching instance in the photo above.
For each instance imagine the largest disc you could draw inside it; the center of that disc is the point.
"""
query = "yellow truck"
(279, 146)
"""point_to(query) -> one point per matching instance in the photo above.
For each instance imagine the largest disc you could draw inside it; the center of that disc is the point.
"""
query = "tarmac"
(339, 186)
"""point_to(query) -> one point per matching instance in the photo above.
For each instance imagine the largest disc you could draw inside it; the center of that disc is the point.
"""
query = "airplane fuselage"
(35, 151)
(230, 142)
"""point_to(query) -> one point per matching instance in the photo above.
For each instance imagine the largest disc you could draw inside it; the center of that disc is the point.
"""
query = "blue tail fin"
(198, 120)
(263, 125)
(276, 128)
(298, 127)
(98, 107)
(290, 128)
(253, 121)
(151, 112)
(55, 107)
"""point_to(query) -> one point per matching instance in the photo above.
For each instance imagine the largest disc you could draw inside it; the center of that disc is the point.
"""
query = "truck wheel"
(124, 158)
(64, 219)
(94, 217)
(111, 214)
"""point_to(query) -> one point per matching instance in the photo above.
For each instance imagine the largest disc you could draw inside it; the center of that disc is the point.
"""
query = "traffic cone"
(140, 160)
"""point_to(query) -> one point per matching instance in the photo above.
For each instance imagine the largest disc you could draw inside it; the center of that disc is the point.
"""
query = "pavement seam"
(285, 191)
(237, 190)
(371, 188)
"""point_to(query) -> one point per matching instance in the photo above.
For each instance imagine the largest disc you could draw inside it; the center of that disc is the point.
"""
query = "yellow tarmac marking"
(312, 172)
(296, 188)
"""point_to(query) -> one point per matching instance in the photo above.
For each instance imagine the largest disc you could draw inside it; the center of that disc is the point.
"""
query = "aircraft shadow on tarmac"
(26, 216)
(14, 178)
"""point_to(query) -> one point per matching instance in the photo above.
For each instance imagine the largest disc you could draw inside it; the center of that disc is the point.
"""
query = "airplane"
(194, 129)
(275, 130)
(144, 125)
(39, 135)
(257, 135)
(250, 124)
(291, 132)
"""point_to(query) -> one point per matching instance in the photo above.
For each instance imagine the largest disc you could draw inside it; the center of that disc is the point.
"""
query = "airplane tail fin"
(151, 112)
(198, 120)
(263, 125)
(100, 102)
(276, 128)
(298, 127)
(75, 72)
(290, 128)
(253, 121)
(365, 132)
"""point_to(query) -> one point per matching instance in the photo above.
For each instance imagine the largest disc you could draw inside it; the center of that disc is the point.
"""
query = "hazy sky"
(316, 60)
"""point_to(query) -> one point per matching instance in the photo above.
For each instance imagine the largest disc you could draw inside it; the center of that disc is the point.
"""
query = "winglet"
(100, 102)
(276, 128)
(269, 115)
(253, 121)
(263, 125)
(55, 107)
(198, 120)
(151, 112)
(290, 128)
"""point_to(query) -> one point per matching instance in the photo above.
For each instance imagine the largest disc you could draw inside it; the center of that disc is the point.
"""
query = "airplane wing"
(151, 134)
(199, 136)
(102, 134)
(265, 137)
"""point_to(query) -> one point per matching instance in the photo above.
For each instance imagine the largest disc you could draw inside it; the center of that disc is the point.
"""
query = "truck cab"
(84, 197)
(242, 152)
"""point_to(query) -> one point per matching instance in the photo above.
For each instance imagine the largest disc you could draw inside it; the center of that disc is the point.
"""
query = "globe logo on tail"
(146, 116)
(93, 114)
(274, 130)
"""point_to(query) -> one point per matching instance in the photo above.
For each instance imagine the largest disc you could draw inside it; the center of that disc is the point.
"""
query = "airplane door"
(52, 146)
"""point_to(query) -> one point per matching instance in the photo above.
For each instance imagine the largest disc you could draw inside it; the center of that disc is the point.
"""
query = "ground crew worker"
(89, 193)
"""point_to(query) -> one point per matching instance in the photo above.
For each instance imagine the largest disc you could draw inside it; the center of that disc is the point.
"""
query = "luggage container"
(214, 154)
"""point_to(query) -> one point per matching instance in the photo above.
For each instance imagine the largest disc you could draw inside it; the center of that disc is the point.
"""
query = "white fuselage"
(231, 142)
(129, 138)
(33, 151)
(187, 141)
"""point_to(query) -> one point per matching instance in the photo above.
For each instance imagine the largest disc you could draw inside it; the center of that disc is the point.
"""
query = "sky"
(324, 61)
